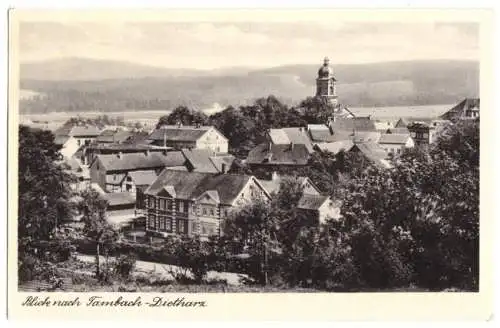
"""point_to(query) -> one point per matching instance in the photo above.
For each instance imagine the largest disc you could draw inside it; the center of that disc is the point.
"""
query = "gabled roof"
(394, 138)
(398, 130)
(114, 136)
(60, 140)
(296, 154)
(322, 136)
(288, 135)
(191, 185)
(78, 131)
(353, 124)
(224, 159)
(138, 161)
(273, 185)
(401, 123)
(373, 152)
(366, 136)
(143, 178)
(335, 147)
(312, 202)
(119, 198)
(460, 109)
(181, 133)
(200, 160)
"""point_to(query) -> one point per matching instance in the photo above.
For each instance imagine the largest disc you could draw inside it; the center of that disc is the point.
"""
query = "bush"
(124, 265)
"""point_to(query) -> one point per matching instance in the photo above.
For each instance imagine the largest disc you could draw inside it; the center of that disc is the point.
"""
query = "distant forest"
(367, 85)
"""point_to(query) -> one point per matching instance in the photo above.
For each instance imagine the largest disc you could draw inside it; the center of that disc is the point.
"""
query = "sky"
(211, 45)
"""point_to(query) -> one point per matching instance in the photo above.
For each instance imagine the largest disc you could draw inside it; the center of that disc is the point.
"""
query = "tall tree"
(183, 115)
(96, 226)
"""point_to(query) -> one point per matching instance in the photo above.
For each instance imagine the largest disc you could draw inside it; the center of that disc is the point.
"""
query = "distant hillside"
(116, 86)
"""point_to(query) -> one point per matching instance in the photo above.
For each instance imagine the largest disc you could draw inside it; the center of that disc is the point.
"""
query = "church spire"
(326, 83)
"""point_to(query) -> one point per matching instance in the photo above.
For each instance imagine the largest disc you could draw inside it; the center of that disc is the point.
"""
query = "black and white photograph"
(261, 156)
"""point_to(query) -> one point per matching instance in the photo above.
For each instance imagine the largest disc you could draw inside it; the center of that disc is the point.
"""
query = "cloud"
(209, 45)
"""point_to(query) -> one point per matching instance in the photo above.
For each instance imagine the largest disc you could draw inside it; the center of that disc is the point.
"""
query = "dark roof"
(353, 124)
(279, 154)
(119, 198)
(311, 202)
(60, 140)
(460, 109)
(179, 133)
(200, 160)
(394, 138)
(137, 138)
(114, 136)
(143, 178)
(125, 147)
(191, 185)
(137, 161)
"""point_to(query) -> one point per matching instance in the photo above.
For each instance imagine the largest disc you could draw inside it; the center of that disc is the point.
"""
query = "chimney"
(223, 168)
(197, 125)
(269, 145)
(274, 176)
(120, 155)
(179, 124)
(291, 145)
(165, 139)
(146, 152)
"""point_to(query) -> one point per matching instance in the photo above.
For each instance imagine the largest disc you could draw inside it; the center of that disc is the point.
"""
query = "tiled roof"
(299, 136)
(279, 154)
(119, 198)
(273, 185)
(143, 178)
(312, 202)
(316, 127)
(288, 135)
(401, 123)
(399, 130)
(124, 147)
(182, 133)
(84, 131)
(394, 138)
(191, 185)
(321, 136)
(225, 159)
(200, 160)
(114, 136)
(373, 152)
(460, 108)
(335, 147)
(137, 161)
(353, 124)
(366, 136)
(278, 136)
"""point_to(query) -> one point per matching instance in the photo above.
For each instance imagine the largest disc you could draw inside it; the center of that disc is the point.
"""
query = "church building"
(326, 84)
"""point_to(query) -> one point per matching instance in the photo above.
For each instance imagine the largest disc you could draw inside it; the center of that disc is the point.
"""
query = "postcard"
(250, 164)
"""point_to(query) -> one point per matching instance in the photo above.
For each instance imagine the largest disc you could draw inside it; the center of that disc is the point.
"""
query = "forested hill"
(78, 85)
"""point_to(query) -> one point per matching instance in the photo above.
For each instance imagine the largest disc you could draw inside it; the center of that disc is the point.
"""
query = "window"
(79, 142)
(204, 211)
(168, 224)
(181, 207)
(151, 222)
(212, 212)
(162, 204)
(162, 223)
(182, 226)
(207, 228)
(170, 205)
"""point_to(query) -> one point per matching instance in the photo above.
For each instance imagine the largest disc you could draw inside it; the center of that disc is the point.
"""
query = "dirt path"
(164, 270)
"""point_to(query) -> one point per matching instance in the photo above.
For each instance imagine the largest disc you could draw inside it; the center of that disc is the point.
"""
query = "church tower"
(326, 83)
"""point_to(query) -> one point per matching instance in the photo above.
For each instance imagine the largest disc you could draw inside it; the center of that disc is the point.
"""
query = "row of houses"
(176, 177)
